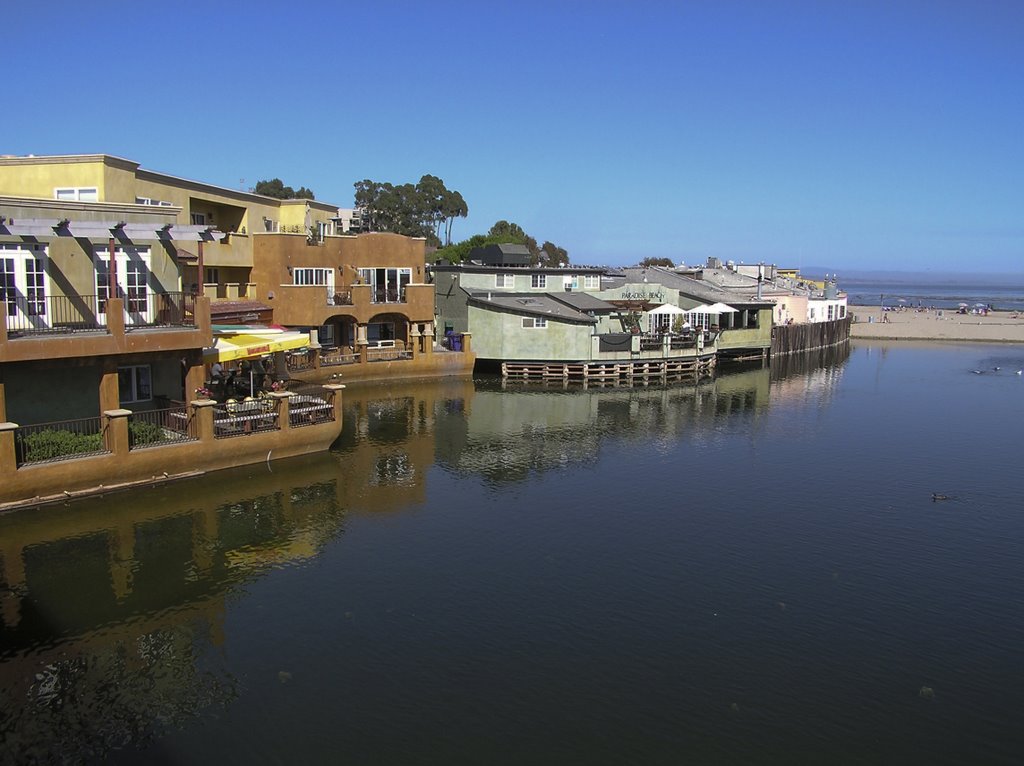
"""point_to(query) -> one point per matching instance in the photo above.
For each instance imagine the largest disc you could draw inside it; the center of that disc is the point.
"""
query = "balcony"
(389, 295)
(229, 291)
(63, 314)
(92, 325)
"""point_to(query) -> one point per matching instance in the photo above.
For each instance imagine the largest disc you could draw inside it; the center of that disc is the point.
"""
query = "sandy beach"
(998, 326)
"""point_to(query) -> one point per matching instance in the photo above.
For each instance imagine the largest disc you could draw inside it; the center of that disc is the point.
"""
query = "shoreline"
(937, 324)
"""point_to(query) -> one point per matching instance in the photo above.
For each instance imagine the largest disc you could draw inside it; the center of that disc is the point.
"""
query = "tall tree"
(275, 188)
(506, 232)
(552, 255)
(667, 262)
(420, 210)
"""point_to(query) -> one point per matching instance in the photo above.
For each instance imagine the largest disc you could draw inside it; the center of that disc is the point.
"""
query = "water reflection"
(114, 608)
(111, 605)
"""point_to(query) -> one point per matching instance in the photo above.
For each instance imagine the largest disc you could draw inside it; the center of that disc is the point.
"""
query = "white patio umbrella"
(719, 308)
(665, 309)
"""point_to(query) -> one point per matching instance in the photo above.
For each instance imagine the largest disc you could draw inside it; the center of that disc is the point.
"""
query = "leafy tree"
(509, 232)
(503, 232)
(425, 209)
(657, 262)
(552, 255)
(275, 188)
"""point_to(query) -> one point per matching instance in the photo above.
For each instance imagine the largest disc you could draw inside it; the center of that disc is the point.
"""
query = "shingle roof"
(533, 304)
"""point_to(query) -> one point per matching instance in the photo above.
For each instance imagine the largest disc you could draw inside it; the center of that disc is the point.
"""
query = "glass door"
(23, 287)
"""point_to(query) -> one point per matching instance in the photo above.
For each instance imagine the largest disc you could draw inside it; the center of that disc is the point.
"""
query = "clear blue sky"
(846, 134)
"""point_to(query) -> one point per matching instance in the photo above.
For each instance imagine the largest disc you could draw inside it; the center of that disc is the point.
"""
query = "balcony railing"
(383, 295)
(240, 418)
(60, 440)
(63, 314)
(153, 428)
(339, 296)
(334, 357)
(229, 291)
(307, 410)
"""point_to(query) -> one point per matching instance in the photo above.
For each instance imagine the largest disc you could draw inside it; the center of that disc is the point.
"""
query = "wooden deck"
(610, 372)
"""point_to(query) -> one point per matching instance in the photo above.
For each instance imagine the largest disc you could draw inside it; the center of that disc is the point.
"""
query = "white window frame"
(535, 323)
(140, 378)
(842, 311)
(77, 193)
(539, 281)
(387, 283)
(313, 276)
(591, 282)
(136, 295)
(23, 290)
(506, 281)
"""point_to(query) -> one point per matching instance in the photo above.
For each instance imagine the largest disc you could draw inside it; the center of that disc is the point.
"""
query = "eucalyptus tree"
(421, 210)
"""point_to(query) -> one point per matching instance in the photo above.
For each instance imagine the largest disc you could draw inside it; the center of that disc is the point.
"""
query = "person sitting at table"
(227, 385)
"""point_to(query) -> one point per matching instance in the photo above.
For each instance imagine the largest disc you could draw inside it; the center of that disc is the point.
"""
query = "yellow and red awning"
(249, 344)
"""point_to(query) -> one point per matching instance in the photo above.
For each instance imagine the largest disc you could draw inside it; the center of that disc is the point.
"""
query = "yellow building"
(93, 185)
(102, 335)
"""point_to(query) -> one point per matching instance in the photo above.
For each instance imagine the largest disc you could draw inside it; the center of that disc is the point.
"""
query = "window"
(538, 280)
(842, 312)
(132, 272)
(133, 383)
(76, 194)
(592, 282)
(812, 313)
(8, 285)
(313, 276)
(505, 280)
(534, 323)
(199, 219)
(212, 275)
(831, 312)
(388, 285)
(571, 283)
(23, 280)
(151, 202)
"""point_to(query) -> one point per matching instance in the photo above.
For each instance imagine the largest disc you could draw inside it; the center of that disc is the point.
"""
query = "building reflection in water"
(114, 608)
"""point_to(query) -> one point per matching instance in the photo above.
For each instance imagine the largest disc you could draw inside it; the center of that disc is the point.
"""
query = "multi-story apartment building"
(107, 272)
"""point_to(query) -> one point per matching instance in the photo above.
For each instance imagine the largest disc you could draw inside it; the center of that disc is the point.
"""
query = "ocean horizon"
(943, 290)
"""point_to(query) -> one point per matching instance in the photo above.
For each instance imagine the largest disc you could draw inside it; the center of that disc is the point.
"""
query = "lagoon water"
(752, 570)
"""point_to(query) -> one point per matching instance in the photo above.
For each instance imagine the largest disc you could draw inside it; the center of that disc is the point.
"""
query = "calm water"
(1003, 296)
(750, 571)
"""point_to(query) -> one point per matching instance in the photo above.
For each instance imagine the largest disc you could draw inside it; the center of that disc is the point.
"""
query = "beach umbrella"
(962, 305)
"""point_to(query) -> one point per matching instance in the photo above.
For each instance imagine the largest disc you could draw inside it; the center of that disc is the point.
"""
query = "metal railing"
(153, 428)
(389, 296)
(161, 310)
(53, 314)
(339, 297)
(245, 417)
(300, 361)
(336, 357)
(387, 354)
(308, 410)
(63, 314)
(59, 440)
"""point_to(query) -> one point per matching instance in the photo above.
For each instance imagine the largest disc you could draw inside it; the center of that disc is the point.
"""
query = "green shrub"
(48, 444)
(141, 432)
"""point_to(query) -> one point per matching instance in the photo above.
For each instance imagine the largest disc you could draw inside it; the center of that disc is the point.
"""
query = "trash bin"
(456, 342)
